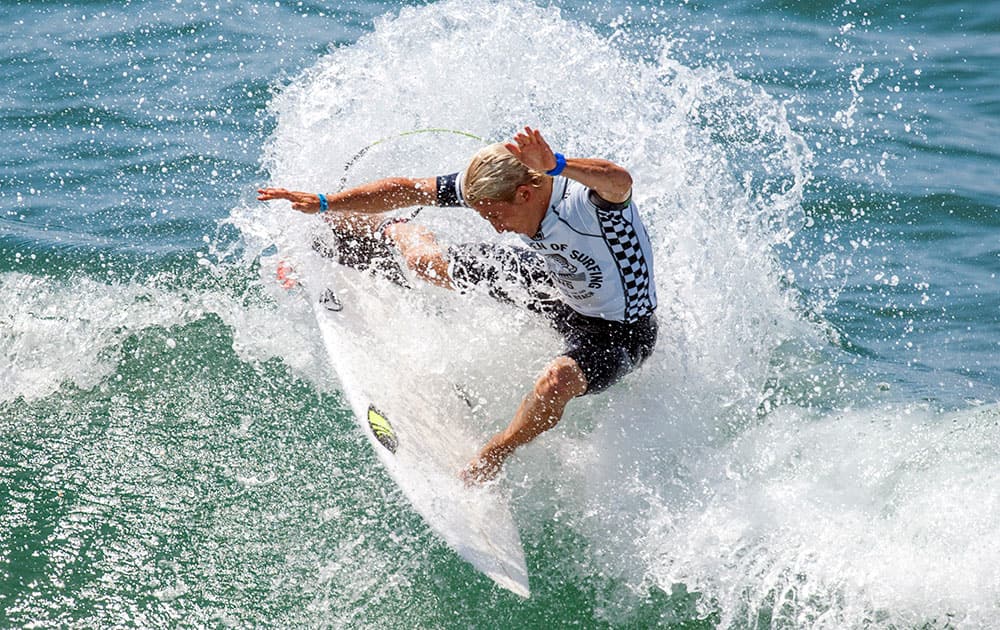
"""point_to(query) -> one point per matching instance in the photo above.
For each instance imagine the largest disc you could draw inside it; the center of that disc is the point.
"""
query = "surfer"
(587, 262)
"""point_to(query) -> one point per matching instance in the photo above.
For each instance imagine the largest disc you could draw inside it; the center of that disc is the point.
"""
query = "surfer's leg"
(606, 351)
(540, 410)
(512, 275)
(353, 223)
(420, 250)
(367, 238)
(359, 244)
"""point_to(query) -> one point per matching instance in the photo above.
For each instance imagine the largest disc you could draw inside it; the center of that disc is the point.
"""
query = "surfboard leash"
(357, 156)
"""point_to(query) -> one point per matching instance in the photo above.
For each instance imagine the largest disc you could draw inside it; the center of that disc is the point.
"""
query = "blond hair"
(494, 173)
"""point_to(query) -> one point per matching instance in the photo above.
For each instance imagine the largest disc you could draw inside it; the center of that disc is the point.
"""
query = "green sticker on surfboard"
(382, 429)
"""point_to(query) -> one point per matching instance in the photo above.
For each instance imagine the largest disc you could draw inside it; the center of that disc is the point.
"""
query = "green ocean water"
(814, 444)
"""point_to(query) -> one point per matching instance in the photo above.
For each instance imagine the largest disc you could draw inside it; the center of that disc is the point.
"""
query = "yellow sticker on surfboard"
(382, 430)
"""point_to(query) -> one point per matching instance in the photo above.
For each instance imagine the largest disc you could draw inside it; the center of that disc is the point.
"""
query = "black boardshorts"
(605, 350)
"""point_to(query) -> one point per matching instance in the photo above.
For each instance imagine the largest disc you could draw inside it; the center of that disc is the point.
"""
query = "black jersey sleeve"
(602, 203)
(447, 191)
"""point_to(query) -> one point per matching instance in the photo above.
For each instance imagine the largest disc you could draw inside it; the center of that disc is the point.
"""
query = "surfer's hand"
(301, 201)
(531, 148)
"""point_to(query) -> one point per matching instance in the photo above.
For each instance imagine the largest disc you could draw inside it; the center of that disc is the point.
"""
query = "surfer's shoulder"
(449, 191)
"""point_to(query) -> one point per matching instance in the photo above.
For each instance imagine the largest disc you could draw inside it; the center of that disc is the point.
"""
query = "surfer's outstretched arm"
(377, 196)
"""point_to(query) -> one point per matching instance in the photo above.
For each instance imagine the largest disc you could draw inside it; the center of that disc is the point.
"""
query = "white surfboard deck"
(429, 420)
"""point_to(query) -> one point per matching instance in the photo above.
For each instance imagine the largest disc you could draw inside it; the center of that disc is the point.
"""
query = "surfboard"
(414, 419)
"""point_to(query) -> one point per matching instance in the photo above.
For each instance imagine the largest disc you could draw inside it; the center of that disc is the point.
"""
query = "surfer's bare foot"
(286, 275)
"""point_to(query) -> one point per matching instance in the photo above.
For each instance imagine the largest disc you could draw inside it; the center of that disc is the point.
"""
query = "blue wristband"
(323, 205)
(560, 165)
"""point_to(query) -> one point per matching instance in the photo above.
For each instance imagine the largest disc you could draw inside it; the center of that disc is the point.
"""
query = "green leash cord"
(357, 156)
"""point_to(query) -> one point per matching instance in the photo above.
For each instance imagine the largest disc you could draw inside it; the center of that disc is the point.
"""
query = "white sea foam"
(883, 516)
(54, 333)
(72, 331)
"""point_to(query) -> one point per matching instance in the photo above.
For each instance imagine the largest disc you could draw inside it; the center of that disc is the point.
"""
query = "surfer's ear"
(523, 193)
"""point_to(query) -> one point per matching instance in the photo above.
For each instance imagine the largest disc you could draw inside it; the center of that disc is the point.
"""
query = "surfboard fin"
(330, 301)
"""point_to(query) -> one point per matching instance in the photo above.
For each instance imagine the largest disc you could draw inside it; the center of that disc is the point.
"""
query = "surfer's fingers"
(267, 194)
(537, 135)
(523, 138)
(520, 146)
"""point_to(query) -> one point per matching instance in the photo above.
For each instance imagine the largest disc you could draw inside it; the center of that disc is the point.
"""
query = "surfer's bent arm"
(377, 196)
(610, 181)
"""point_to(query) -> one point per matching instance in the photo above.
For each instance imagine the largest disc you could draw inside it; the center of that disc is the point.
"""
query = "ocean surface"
(814, 444)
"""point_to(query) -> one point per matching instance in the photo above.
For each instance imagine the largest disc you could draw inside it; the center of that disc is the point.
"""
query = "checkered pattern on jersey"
(623, 241)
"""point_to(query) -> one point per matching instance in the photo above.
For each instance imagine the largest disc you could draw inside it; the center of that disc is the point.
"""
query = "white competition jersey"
(597, 252)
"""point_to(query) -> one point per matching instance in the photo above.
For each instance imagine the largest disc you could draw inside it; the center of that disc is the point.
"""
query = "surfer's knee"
(430, 266)
(420, 252)
(561, 381)
(418, 261)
